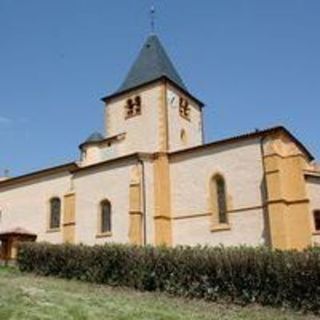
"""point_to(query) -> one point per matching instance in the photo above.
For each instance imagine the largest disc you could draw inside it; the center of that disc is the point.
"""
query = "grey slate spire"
(95, 137)
(152, 63)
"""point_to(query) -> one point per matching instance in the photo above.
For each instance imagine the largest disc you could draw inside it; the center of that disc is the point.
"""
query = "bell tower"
(153, 107)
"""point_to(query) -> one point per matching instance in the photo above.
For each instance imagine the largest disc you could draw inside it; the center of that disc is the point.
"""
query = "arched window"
(219, 198)
(55, 213)
(105, 216)
(316, 217)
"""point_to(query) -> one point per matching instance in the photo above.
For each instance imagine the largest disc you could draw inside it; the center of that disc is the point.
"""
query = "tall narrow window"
(316, 217)
(220, 198)
(105, 218)
(55, 213)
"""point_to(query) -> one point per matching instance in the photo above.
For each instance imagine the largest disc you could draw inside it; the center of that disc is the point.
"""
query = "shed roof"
(18, 231)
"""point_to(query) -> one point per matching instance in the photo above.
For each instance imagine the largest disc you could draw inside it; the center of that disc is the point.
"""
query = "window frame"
(184, 108)
(316, 224)
(219, 210)
(51, 226)
(133, 107)
(101, 230)
(221, 198)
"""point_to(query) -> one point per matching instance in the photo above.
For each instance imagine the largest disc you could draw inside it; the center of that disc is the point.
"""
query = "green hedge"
(241, 275)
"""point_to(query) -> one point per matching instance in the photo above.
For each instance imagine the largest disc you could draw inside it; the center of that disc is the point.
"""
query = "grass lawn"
(28, 297)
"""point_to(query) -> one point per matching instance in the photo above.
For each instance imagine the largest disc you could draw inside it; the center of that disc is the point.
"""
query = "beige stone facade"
(151, 179)
(313, 189)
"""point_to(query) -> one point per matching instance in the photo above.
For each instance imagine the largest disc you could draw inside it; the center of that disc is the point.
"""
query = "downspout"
(265, 200)
(144, 205)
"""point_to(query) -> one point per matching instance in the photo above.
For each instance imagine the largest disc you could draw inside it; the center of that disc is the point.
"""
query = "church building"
(151, 178)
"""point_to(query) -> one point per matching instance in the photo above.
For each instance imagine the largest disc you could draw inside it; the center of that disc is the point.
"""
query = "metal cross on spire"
(152, 19)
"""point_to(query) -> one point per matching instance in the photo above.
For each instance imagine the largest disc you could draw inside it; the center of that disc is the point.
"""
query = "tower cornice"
(163, 79)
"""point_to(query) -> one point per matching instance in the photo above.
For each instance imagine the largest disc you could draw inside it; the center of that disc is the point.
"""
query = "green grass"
(27, 297)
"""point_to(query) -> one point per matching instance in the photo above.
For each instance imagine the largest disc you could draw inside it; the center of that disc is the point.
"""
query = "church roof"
(67, 167)
(94, 137)
(151, 64)
(97, 138)
(247, 136)
(73, 167)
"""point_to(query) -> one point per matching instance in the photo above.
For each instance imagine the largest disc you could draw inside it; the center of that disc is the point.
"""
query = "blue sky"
(254, 63)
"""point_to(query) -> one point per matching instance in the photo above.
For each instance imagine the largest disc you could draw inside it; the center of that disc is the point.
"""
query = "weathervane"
(152, 19)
